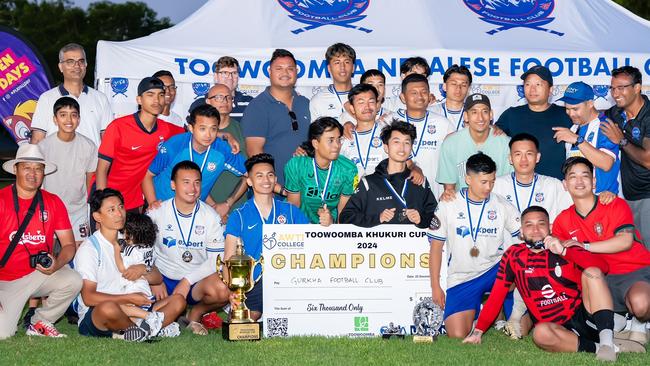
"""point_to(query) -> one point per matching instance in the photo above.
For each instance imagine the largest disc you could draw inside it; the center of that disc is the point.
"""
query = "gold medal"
(474, 252)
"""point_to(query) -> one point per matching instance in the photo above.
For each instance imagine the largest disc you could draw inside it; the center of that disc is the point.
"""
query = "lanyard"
(532, 191)
(327, 180)
(473, 233)
(338, 97)
(205, 158)
(460, 119)
(259, 212)
(189, 234)
(424, 128)
(356, 139)
(400, 197)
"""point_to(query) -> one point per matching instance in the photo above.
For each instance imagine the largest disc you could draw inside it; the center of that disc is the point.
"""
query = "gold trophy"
(239, 279)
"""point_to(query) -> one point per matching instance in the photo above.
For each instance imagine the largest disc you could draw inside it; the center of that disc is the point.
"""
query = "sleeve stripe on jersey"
(623, 227)
(290, 191)
(215, 250)
(434, 237)
(233, 170)
(515, 234)
(104, 157)
(38, 129)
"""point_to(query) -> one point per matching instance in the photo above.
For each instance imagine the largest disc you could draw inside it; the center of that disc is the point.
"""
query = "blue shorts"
(469, 295)
(254, 298)
(88, 329)
(171, 285)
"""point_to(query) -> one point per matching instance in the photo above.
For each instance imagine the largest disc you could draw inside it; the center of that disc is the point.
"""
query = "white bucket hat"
(28, 153)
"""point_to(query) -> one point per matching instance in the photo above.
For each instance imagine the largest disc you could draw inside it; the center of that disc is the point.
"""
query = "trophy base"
(242, 331)
(424, 339)
(389, 336)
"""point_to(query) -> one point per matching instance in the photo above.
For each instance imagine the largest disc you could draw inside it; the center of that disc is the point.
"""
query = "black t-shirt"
(634, 177)
(521, 119)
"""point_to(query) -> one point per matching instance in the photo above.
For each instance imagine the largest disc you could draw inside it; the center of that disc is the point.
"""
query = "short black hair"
(340, 49)
(160, 73)
(361, 88)
(371, 73)
(480, 163)
(281, 52)
(455, 69)
(204, 110)
(97, 197)
(414, 78)
(535, 209)
(524, 137)
(262, 158)
(66, 102)
(402, 127)
(630, 71)
(316, 130)
(575, 160)
(412, 62)
(139, 229)
(185, 165)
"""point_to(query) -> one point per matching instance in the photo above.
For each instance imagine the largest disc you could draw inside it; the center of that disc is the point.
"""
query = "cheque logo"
(508, 14)
(269, 241)
(119, 86)
(317, 13)
(361, 324)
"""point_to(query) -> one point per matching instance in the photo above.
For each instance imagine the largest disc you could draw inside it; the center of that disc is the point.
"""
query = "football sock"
(604, 320)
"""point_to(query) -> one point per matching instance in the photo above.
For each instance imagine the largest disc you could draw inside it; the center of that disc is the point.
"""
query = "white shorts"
(80, 222)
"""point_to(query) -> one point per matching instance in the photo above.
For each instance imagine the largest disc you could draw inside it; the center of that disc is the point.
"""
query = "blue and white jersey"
(212, 162)
(455, 116)
(246, 223)
(185, 243)
(489, 225)
(327, 103)
(605, 180)
(365, 149)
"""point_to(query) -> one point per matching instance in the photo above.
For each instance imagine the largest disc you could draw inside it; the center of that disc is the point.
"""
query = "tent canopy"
(497, 39)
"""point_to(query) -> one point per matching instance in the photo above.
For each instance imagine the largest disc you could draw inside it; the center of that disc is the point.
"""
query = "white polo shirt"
(95, 113)
(173, 118)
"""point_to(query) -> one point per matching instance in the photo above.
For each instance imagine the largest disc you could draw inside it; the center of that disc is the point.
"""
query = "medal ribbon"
(327, 180)
(424, 128)
(205, 158)
(532, 191)
(469, 214)
(189, 235)
(460, 119)
(338, 97)
(356, 139)
(400, 197)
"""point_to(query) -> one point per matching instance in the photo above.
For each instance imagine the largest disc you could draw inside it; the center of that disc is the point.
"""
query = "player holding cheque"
(564, 289)
(477, 227)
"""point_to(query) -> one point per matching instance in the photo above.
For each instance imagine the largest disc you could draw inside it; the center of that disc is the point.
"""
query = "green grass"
(188, 349)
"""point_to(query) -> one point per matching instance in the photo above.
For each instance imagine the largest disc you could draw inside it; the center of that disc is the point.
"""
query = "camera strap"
(38, 199)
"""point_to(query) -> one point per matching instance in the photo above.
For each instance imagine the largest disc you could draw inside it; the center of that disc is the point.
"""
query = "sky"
(176, 10)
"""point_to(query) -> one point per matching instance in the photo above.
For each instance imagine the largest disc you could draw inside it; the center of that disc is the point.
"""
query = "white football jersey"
(327, 103)
(133, 255)
(456, 117)
(430, 132)
(181, 252)
(365, 149)
(490, 224)
(544, 191)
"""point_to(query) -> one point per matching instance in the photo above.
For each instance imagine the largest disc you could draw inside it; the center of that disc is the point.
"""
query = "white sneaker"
(154, 320)
(170, 331)
(513, 329)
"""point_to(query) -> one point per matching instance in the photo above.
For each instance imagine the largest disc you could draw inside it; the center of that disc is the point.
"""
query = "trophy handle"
(261, 263)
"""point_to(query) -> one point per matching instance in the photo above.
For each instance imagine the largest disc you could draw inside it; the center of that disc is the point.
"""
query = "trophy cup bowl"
(239, 279)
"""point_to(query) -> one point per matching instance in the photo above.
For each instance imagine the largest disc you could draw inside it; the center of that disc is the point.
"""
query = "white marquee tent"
(497, 39)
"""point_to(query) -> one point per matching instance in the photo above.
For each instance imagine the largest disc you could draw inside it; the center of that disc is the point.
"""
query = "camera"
(41, 258)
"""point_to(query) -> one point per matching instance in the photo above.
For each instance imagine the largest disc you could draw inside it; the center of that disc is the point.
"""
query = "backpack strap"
(98, 248)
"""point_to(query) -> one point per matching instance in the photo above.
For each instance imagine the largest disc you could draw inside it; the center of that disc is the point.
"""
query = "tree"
(638, 7)
(52, 24)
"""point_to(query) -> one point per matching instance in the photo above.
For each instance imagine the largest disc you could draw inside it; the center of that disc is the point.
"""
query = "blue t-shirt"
(269, 118)
(605, 180)
(177, 149)
(246, 223)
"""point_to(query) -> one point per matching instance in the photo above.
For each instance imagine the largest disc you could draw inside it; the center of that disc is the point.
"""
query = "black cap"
(475, 99)
(149, 83)
(540, 71)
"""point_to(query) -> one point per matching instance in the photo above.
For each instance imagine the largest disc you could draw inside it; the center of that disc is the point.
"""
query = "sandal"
(197, 328)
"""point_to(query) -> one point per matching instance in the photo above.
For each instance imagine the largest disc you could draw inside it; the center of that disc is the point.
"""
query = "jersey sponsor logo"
(462, 231)
(190, 244)
(317, 13)
(282, 219)
(509, 14)
(119, 86)
(200, 89)
(551, 296)
(199, 230)
(133, 148)
(492, 215)
(29, 238)
(169, 242)
(548, 292)
(539, 197)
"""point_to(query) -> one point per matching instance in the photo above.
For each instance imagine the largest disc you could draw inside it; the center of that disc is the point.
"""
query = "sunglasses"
(294, 121)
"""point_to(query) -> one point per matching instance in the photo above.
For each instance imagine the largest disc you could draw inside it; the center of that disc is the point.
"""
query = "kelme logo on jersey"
(119, 86)
(200, 89)
(318, 13)
(508, 14)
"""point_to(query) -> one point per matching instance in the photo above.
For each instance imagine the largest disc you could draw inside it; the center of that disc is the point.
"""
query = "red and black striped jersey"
(549, 284)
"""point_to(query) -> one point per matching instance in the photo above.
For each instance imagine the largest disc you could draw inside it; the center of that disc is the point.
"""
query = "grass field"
(188, 349)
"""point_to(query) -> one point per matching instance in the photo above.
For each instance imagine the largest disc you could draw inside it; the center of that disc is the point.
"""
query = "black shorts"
(254, 298)
(87, 328)
(583, 324)
(621, 283)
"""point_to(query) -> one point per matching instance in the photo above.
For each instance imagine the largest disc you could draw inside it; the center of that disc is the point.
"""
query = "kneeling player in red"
(564, 290)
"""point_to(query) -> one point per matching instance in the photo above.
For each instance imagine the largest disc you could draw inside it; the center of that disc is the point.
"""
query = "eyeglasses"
(71, 62)
(220, 98)
(294, 120)
(619, 88)
(228, 74)
(170, 87)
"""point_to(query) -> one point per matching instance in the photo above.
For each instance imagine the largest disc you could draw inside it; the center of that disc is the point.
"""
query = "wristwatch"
(623, 142)
(579, 140)
(586, 246)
